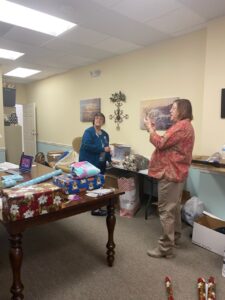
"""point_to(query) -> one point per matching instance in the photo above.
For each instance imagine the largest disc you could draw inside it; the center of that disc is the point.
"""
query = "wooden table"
(15, 229)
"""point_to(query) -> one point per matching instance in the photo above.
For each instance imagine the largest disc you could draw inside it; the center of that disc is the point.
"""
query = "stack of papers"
(100, 192)
(7, 166)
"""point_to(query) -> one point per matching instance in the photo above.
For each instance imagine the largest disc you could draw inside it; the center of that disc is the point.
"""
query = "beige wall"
(213, 130)
(172, 68)
(21, 96)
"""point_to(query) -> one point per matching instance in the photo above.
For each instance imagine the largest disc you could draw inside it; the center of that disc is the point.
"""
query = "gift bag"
(129, 201)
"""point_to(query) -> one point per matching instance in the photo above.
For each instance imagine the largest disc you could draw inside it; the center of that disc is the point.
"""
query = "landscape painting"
(88, 108)
(157, 110)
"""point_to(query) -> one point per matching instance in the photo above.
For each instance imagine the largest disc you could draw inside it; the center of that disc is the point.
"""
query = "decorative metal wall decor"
(118, 115)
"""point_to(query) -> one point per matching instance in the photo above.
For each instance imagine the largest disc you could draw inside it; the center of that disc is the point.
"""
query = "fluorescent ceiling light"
(8, 54)
(22, 72)
(32, 19)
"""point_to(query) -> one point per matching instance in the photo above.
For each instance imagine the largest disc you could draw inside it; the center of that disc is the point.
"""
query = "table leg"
(110, 221)
(141, 187)
(16, 256)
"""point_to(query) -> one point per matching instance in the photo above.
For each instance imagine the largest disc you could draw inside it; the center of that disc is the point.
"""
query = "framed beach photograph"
(158, 110)
(88, 108)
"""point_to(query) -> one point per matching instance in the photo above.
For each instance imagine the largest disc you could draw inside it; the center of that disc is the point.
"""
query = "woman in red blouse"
(169, 164)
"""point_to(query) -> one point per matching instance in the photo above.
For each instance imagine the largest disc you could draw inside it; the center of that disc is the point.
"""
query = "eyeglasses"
(99, 118)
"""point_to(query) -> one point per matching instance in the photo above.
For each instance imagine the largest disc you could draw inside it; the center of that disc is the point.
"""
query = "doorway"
(26, 114)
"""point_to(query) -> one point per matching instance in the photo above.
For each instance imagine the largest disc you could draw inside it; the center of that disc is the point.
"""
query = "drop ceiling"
(105, 28)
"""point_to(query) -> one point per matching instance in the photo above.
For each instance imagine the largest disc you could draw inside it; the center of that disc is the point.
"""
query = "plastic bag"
(192, 209)
(65, 162)
(129, 201)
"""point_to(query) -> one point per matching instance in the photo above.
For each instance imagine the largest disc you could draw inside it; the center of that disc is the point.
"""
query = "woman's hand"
(107, 149)
(149, 124)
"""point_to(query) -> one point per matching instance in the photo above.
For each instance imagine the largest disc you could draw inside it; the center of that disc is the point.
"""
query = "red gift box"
(27, 202)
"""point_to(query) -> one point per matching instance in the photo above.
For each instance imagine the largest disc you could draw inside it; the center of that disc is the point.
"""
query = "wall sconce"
(118, 115)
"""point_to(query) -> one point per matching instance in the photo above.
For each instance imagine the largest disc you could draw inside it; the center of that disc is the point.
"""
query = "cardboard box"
(120, 151)
(205, 235)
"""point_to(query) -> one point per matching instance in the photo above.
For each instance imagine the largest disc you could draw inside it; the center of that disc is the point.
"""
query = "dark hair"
(184, 109)
(39, 156)
(98, 114)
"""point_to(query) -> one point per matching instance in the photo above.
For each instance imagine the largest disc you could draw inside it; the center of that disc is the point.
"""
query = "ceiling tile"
(108, 3)
(4, 28)
(30, 37)
(144, 10)
(179, 19)
(80, 50)
(206, 8)
(83, 36)
(117, 46)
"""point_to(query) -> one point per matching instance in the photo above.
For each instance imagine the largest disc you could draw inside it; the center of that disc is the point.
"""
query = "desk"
(16, 228)
(207, 168)
(207, 183)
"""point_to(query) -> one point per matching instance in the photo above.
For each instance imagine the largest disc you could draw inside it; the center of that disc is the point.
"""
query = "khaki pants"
(169, 198)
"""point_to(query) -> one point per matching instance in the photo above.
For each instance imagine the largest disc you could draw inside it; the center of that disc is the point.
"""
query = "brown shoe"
(157, 253)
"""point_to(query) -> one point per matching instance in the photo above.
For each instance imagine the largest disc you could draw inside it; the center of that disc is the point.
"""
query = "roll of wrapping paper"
(201, 288)
(169, 288)
(7, 183)
(40, 178)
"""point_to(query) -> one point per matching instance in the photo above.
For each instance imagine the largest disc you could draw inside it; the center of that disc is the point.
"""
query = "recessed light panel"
(22, 72)
(19, 15)
(8, 54)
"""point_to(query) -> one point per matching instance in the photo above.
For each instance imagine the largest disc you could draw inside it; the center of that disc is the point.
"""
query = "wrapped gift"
(30, 201)
(72, 185)
(83, 169)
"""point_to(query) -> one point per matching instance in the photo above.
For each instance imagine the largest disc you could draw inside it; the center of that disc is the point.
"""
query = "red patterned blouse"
(173, 154)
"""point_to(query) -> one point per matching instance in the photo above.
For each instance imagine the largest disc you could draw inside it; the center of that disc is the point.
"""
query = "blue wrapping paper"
(40, 178)
(72, 185)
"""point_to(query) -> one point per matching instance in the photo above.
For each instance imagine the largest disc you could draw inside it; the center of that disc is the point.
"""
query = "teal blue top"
(92, 148)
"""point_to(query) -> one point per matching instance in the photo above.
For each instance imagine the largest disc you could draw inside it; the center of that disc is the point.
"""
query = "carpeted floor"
(66, 260)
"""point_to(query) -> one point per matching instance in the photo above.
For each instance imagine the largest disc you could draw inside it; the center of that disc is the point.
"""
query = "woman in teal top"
(95, 144)
(95, 148)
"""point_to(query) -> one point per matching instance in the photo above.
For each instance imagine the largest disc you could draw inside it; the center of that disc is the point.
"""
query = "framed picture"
(158, 110)
(88, 108)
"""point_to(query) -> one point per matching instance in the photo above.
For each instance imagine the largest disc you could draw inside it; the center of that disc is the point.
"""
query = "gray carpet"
(66, 260)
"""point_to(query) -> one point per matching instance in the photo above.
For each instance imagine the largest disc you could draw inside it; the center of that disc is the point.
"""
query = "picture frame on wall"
(88, 108)
(158, 110)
